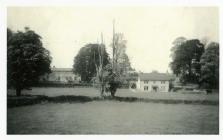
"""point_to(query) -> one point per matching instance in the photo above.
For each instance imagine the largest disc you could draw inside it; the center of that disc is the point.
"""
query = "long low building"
(154, 82)
(62, 75)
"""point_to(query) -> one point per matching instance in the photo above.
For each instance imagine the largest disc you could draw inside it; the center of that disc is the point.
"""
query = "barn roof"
(156, 76)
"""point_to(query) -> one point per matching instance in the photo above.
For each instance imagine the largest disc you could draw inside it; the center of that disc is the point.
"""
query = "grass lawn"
(113, 117)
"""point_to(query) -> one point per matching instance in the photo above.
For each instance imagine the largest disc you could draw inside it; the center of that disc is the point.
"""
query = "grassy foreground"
(82, 111)
(111, 117)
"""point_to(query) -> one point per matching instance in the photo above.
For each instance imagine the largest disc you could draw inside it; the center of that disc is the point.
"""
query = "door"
(155, 88)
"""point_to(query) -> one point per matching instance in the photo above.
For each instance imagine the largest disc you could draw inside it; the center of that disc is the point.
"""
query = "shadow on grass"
(13, 101)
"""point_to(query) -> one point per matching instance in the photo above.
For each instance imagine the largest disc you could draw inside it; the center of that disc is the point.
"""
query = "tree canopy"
(27, 59)
(185, 59)
(84, 62)
(210, 66)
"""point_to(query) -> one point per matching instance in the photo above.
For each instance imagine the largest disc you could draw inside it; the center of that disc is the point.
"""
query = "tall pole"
(102, 55)
(102, 49)
(113, 47)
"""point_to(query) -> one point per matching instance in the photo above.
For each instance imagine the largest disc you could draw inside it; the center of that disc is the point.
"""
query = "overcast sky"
(149, 31)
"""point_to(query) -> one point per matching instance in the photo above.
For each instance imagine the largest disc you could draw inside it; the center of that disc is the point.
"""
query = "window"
(70, 78)
(67, 78)
(146, 82)
(163, 88)
(162, 82)
(146, 88)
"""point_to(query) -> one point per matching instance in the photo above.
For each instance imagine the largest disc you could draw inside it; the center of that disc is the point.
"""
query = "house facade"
(154, 82)
(61, 75)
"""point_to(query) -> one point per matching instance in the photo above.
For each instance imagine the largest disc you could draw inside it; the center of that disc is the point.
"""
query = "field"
(114, 117)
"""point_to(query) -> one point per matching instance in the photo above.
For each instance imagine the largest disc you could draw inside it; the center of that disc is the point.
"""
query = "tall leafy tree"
(185, 59)
(27, 59)
(87, 59)
(210, 67)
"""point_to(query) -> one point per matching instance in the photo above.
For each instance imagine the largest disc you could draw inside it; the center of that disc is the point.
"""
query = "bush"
(133, 86)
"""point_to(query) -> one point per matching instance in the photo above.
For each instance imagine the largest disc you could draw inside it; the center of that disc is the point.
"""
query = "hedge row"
(14, 101)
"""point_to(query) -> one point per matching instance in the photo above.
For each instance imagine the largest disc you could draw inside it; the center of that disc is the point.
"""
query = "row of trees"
(27, 59)
(196, 62)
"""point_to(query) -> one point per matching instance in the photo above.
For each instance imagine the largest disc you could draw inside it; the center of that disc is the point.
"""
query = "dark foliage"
(186, 57)
(210, 67)
(84, 62)
(27, 59)
(30, 100)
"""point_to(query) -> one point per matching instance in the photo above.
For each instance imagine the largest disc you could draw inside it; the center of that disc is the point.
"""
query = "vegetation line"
(31, 100)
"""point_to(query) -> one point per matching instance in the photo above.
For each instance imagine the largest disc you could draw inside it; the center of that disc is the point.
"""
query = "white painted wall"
(138, 83)
(162, 86)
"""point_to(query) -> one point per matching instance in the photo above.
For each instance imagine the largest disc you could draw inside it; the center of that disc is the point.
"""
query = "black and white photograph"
(112, 70)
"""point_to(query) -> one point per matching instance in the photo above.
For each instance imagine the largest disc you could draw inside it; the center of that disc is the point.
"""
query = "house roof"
(62, 69)
(156, 76)
(129, 78)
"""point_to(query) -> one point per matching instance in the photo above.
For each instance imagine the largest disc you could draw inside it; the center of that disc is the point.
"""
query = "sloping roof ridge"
(155, 76)
(154, 73)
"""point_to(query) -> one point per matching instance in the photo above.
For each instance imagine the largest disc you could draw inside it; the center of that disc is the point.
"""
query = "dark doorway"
(155, 88)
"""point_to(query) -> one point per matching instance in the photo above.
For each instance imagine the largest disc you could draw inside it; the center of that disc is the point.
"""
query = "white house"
(154, 82)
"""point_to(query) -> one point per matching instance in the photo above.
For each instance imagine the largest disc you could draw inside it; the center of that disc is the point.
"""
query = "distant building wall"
(154, 82)
(156, 86)
(63, 75)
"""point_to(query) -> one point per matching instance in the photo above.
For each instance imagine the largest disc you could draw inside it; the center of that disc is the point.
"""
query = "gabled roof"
(155, 76)
(62, 69)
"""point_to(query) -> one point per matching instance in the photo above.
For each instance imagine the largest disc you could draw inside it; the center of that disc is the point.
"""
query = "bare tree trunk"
(18, 91)
(99, 68)
(112, 93)
(102, 90)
